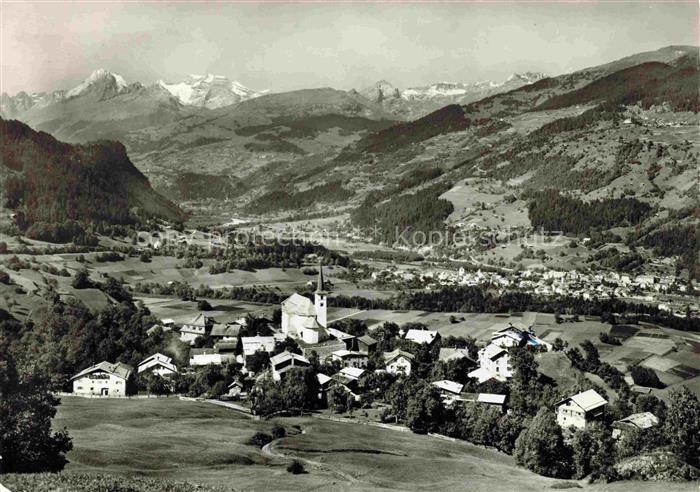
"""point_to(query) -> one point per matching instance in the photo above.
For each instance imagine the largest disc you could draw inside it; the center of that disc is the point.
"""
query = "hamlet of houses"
(306, 322)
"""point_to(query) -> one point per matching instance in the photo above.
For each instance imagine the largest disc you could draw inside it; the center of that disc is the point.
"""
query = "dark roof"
(226, 345)
(225, 330)
(118, 369)
(367, 340)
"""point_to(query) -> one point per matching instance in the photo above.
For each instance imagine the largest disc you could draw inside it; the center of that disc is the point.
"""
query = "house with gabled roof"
(105, 379)
(210, 356)
(514, 336)
(447, 354)
(366, 344)
(257, 343)
(324, 350)
(324, 384)
(494, 363)
(236, 389)
(580, 409)
(492, 399)
(422, 336)
(347, 339)
(449, 390)
(398, 362)
(225, 332)
(286, 361)
(159, 364)
(198, 326)
(348, 382)
(350, 358)
(636, 421)
(352, 372)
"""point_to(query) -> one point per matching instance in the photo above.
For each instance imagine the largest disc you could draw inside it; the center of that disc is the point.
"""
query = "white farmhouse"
(494, 363)
(512, 336)
(580, 409)
(159, 364)
(197, 327)
(104, 379)
(398, 362)
(494, 359)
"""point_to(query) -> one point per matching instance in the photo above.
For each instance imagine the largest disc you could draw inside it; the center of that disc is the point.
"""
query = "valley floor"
(206, 444)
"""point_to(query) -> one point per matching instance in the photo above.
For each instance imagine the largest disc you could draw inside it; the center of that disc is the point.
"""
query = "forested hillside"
(554, 212)
(52, 185)
(411, 216)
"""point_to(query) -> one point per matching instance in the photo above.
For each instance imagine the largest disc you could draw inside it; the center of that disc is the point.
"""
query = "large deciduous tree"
(683, 425)
(26, 408)
(541, 448)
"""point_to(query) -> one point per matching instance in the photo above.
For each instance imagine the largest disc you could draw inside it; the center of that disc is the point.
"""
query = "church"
(306, 320)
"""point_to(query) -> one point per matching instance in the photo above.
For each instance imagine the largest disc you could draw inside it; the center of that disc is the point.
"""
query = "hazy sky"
(280, 46)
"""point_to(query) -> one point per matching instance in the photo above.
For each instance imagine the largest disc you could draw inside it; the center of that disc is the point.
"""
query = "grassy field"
(205, 444)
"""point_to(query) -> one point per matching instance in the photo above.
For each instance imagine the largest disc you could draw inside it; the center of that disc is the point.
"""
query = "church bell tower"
(321, 298)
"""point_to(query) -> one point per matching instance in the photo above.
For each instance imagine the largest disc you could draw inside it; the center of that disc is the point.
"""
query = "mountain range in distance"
(217, 91)
(206, 91)
(368, 139)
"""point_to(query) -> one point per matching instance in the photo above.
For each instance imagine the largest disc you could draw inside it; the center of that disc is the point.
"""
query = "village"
(667, 292)
(353, 371)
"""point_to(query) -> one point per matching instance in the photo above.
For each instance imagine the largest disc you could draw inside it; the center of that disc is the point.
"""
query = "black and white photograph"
(349, 245)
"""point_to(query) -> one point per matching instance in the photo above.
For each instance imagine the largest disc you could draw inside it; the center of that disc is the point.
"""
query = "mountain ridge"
(49, 183)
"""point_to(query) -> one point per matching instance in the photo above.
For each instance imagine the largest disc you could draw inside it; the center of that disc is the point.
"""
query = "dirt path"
(233, 406)
(268, 450)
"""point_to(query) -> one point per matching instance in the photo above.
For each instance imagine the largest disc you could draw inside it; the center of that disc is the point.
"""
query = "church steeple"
(320, 298)
(320, 284)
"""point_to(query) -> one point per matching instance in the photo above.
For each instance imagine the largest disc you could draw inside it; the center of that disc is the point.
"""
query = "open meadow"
(206, 444)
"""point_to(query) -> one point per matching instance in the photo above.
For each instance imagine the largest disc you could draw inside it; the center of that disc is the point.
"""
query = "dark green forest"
(52, 185)
(283, 200)
(552, 211)
(419, 212)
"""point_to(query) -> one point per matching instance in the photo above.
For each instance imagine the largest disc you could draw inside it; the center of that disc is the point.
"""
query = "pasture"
(223, 310)
(206, 444)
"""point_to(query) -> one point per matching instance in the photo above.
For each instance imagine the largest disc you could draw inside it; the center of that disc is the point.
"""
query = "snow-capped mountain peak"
(209, 91)
(458, 89)
(97, 77)
(381, 91)
(527, 77)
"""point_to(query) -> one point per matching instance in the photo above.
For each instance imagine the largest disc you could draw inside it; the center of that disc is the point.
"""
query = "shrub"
(203, 305)
(260, 439)
(295, 467)
(278, 432)
(82, 280)
(605, 338)
(643, 376)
